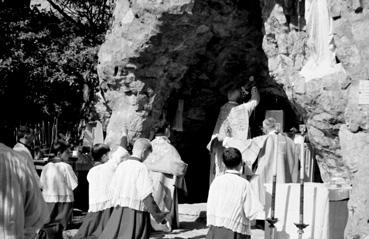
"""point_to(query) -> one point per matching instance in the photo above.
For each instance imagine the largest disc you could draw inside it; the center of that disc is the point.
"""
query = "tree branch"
(66, 16)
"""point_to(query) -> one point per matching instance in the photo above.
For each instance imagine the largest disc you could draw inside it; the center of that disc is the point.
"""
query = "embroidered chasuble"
(233, 121)
(238, 121)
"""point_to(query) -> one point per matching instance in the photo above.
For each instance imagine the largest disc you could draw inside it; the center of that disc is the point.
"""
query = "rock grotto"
(159, 54)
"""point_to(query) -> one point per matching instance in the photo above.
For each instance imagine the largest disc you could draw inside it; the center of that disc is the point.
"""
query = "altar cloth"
(316, 210)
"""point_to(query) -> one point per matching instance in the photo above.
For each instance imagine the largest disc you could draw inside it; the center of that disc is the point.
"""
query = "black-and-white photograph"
(184, 119)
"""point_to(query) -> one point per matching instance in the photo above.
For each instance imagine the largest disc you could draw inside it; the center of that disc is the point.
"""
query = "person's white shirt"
(131, 184)
(99, 178)
(58, 182)
(232, 203)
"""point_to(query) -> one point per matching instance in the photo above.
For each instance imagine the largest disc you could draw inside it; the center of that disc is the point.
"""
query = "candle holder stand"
(272, 221)
(301, 227)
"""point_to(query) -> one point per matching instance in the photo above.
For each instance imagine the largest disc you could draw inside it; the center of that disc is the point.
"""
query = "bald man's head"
(269, 124)
(142, 148)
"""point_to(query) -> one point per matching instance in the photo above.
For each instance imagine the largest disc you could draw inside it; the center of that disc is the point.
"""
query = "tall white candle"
(302, 160)
(276, 151)
(276, 154)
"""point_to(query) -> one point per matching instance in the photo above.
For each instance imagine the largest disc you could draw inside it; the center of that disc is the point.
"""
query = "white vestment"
(238, 118)
(216, 149)
(167, 172)
(232, 203)
(99, 178)
(233, 121)
(58, 182)
(130, 185)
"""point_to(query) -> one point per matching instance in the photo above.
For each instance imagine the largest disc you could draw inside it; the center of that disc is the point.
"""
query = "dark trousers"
(60, 212)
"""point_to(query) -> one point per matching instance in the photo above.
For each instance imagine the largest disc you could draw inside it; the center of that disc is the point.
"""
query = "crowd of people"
(131, 193)
(128, 193)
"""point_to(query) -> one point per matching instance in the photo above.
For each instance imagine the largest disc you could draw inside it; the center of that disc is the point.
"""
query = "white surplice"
(58, 182)
(130, 185)
(99, 178)
(232, 203)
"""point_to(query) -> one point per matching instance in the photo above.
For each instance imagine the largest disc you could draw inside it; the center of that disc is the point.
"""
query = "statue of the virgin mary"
(319, 28)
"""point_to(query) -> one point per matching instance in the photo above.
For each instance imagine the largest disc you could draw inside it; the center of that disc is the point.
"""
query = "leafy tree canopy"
(47, 64)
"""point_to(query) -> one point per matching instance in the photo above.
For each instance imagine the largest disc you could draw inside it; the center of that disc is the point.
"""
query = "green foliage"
(45, 63)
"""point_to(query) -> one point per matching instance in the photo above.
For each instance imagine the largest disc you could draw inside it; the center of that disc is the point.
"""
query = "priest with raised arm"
(233, 121)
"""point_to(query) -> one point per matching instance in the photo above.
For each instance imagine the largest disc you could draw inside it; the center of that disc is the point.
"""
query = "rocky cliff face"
(131, 95)
(320, 103)
(158, 52)
(352, 40)
(337, 124)
(191, 50)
